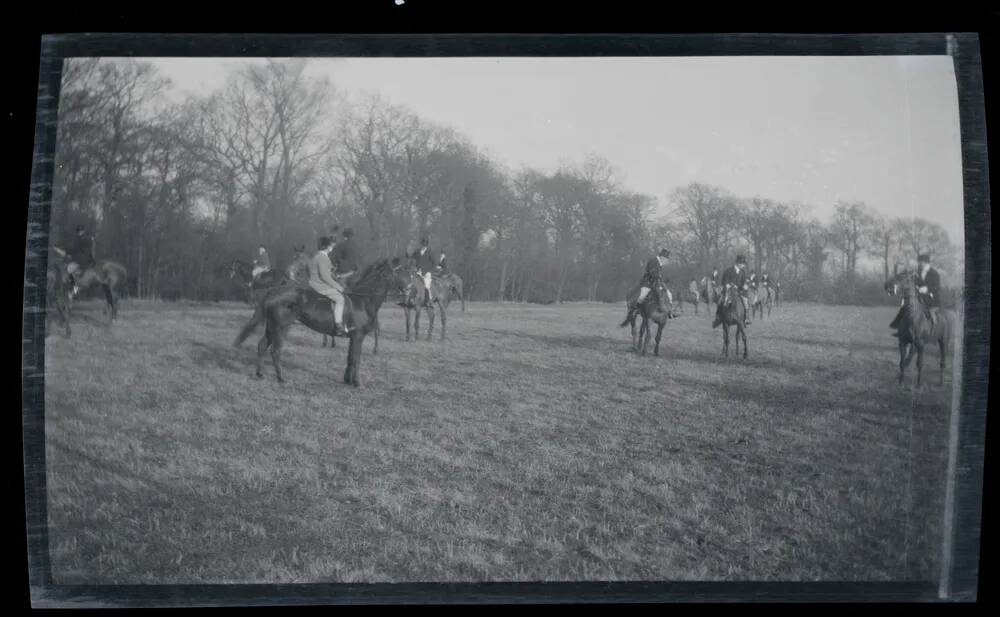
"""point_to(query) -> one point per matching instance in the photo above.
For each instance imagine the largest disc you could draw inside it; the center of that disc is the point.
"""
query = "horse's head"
(401, 274)
(901, 283)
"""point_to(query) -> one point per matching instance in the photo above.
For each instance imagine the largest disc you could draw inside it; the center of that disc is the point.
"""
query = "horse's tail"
(247, 330)
(629, 317)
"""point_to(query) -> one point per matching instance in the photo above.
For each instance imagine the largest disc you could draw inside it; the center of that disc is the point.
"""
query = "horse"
(732, 313)
(768, 300)
(655, 309)
(57, 292)
(757, 295)
(264, 281)
(456, 286)
(110, 275)
(709, 293)
(691, 296)
(297, 273)
(915, 330)
(290, 302)
(415, 300)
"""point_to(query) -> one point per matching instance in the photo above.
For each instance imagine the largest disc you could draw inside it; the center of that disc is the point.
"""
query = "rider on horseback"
(928, 291)
(261, 264)
(81, 256)
(322, 281)
(653, 275)
(735, 276)
(425, 264)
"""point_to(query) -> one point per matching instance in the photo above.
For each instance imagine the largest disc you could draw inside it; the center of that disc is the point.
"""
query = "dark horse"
(285, 304)
(732, 313)
(655, 308)
(415, 300)
(264, 281)
(915, 328)
(298, 272)
(57, 290)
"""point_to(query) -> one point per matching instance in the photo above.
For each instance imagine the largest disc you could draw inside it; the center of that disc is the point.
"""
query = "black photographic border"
(968, 488)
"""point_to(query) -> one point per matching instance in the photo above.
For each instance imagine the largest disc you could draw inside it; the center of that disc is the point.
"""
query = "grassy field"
(532, 445)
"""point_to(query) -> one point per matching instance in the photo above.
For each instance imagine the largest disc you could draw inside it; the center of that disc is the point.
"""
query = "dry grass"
(532, 445)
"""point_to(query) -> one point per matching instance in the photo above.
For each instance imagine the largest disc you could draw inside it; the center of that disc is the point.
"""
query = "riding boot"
(746, 317)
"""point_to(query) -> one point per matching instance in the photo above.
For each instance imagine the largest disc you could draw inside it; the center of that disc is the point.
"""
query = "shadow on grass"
(594, 343)
(889, 345)
(241, 359)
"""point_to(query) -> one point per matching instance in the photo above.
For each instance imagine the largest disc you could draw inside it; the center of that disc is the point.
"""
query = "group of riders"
(737, 278)
(337, 259)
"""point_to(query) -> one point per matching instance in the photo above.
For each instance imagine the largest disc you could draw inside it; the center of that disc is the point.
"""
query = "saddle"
(308, 294)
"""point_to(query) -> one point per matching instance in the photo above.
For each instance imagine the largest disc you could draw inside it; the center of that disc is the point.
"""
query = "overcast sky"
(878, 129)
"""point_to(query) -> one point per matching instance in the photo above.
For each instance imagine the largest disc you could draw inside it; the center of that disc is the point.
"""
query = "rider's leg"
(338, 310)
(427, 285)
(71, 271)
(643, 292)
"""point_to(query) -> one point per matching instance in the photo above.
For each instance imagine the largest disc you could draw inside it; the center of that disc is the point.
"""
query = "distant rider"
(736, 277)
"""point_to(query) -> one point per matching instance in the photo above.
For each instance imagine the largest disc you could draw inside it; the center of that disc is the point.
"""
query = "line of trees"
(176, 190)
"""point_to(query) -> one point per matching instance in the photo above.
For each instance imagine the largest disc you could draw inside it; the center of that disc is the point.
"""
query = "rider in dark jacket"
(345, 255)
(653, 274)
(928, 282)
(737, 277)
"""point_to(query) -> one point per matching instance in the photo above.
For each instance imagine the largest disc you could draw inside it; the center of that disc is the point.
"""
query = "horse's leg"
(635, 337)
(906, 351)
(942, 346)
(375, 331)
(261, 350)
(416, 322)
(406, 311)
(725, 339)
(647, 333)
(349, 371)
(354, 358)
(441, 308)
(430, 320)
(920, 362)
(659, 332)
(743, 333)
(276, 350)
(357, 342)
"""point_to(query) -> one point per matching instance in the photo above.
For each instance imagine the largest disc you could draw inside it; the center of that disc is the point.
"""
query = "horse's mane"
(370, 273)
